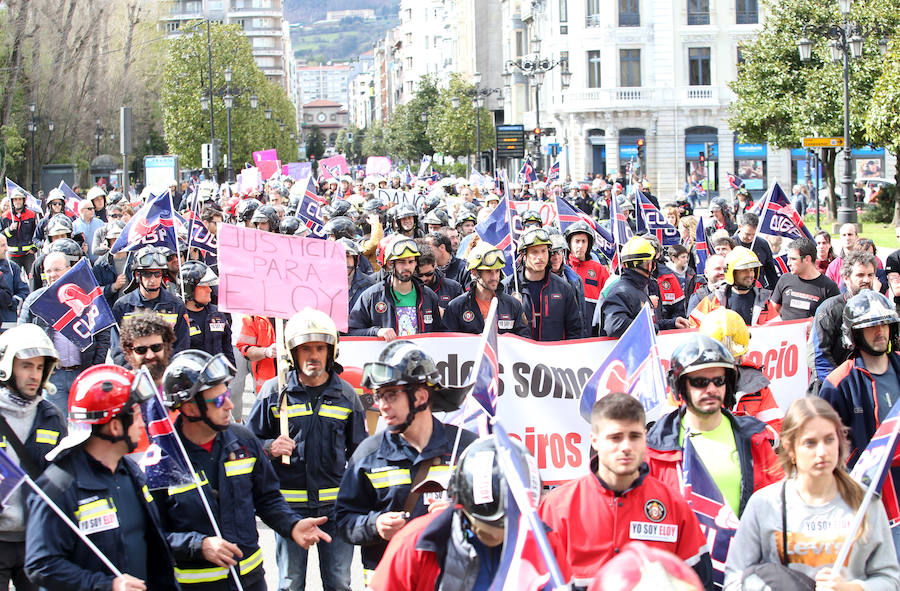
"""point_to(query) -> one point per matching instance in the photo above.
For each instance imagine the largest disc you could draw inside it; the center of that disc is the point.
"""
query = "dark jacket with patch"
(464, 315)
(375, 310)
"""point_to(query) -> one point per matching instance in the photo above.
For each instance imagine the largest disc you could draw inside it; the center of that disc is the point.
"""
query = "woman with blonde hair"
(802, 521)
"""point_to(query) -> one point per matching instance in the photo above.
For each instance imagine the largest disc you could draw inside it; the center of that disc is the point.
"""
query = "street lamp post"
(228, 95)
(32, 128)
(846, 42)
(229, 102)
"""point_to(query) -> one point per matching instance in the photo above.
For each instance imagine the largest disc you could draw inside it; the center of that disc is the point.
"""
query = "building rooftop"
(321, 103)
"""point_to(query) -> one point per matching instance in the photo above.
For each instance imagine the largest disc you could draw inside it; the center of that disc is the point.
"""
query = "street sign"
(823, 142)
(510, 141)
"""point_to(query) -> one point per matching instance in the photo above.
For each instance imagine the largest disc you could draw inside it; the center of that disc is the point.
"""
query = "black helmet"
(189, 374)
(374, 205)
(59, 224)
(430, 202)
(698, 352)
(194, 273)
(68, 247)
(479, 462)
(532, 217)
(465, 215)
(470, 206)
(580, 227)
(266, 213)
(149, 258)
(340, 227)
(245, 209)
(293, 206)
(867, 308)
(402, 363)
(289, 225)
(404, 210)
(720, 204)
(341, 207)
(350, 246)
(115, 198)
(437, 217)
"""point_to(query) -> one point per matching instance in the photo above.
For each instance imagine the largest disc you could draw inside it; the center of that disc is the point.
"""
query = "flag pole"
(196, 480)
(72, 526)
(177, 252)
(505, 181)
(844, 552)
(762, 214)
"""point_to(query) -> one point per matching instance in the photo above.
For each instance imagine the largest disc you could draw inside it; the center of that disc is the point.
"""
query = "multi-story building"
(424, 44)
(329, 81)
(329, 116)
(361, 105)
(262, 21)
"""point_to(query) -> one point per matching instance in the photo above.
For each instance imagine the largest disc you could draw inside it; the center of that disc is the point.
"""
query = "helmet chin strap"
(127, 419)
(411, 415)
(863, 345)
(204, 418)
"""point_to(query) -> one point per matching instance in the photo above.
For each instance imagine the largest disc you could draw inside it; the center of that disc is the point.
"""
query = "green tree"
(186, 80)
(373, 142)
(315, 142)
(349, 143)
(451, 129)
(780, 99)
(883, 118)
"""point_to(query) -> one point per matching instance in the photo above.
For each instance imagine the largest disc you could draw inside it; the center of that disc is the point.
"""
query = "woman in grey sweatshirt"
(820, 500)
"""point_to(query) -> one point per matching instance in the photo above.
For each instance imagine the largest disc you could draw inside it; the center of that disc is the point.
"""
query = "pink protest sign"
(380, 165)
(275, 275)
(268, 167)
(333, 167)
(250, 180)
(261, 155)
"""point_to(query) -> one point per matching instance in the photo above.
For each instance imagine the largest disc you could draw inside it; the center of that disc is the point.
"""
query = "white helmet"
(24, 342)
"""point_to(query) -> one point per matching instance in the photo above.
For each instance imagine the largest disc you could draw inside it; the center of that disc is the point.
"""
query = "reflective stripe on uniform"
(147, 496)
(388, 478)
(187, 576)
(293, 410)
(175, 490)
(295, 495)
(239, 467)
(46, 436)
(435, 471)
(334, 412)
(367, 576)
(16, 249)
(328, 494)
(96, 508)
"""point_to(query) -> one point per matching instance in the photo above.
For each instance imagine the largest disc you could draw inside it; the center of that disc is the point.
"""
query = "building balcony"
(637, 98)
(267, 51)
(255, 12)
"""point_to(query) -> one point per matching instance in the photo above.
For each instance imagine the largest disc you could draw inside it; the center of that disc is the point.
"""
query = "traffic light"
(702, 156)
(537, 132)
(640, 149)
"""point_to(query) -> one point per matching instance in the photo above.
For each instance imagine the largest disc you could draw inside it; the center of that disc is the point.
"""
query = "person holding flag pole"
(118, 542)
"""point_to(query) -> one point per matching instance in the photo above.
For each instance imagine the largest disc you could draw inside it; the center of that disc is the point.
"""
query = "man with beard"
(326, 423)
(555, 312)
(401, 305)
(433, 276)
(147, 340)
(593, 517)
(72, 360)
(466, 312)
(29, 428)
(737, 449)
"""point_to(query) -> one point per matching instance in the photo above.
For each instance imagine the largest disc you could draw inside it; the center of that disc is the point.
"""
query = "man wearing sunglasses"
(737, 449)
(148, 267)
(433, 277)
(378, 494)
(326, 423)
(238, 481)
(466, 313)
(401, 305)
(101, 490)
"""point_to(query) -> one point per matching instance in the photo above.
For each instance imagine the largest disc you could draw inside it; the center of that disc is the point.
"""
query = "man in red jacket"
(595, 516)
(580, 238)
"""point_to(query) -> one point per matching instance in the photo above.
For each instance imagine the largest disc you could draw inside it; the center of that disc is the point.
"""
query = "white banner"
(541, 383)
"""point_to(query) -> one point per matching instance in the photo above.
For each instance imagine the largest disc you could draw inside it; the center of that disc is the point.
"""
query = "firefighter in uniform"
(209, 329)
(30, 426)
(740, 291)
(326, 423)
(466, 312)
(377, 497)
(18, 225)
(148, 267)
(235, 475)
(459, 546)
(580, 238)
(102, 491)
(626, 297)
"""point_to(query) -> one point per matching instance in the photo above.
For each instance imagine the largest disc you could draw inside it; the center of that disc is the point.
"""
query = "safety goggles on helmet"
(534, 237)
(492, 259)
(151, 259)
(403, 248)
(377, 374)
(217, 370)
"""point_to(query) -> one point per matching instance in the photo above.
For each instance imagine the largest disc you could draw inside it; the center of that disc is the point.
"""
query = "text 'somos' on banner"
(274, 275)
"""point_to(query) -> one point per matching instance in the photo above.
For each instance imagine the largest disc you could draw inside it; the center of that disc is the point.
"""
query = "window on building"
(593, 13)
(193, 6)
(629, 13)
(239, 22)
(563, 11)
(263, 42)
(699, 66)
(265, 62)
(593, 59)
(214, 5)
(747, 12)
(262, 3)
(520, 43)
(262, 23)
(173, 26)
(629, 67)
(698, 12)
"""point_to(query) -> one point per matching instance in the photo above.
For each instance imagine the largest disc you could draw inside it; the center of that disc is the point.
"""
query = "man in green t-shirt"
(737, 450)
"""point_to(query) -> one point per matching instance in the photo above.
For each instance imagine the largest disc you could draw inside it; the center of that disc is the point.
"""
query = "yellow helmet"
(311, 325)
(401, 248)
(534, 237)
(485, 256)
(637, 250)
(727, 327)
(740, 258)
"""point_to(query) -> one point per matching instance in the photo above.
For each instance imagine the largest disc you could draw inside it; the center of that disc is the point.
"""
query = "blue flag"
(200, 237)
(30, 201)
(779, 218)
(424, 166)
(11, 476)
(481, 402)
(163, 463)
(72, 198)
(701, 247)
(494, 230)
(74, 306)
(717, 519)
(781, 264)
(308, 210)
(553, 173)
(527, 174)
(874, 464)
(633, 365)
(152, 225)
(652, 221)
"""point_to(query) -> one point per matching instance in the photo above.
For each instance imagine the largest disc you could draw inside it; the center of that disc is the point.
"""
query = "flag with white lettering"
(200, 237)
(874, 464)
(700, 246)
(779, 218)
(30, 201)
(527, 174)
(163, 463)
(74, 306)
(717, 519)
(73, 201)
(152, 225)
(495, 230)
(481, 402)
(651, 220)
(308, 210)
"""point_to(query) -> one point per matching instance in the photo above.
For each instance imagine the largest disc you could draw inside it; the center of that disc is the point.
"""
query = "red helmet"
(639, 567)
(231, 206)
(382, 247)
(101, 392)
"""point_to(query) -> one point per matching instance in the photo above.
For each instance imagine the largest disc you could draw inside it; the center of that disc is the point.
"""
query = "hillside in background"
(310, 11)
(345, 40)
